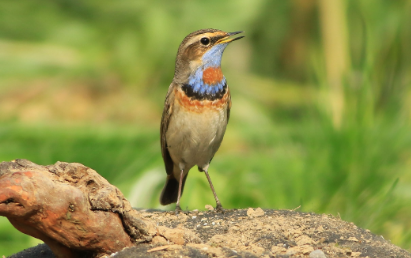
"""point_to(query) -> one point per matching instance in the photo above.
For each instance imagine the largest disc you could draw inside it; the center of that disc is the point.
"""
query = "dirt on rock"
(254, 233)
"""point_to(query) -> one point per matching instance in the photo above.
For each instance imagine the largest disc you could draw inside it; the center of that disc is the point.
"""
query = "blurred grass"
(85, 82)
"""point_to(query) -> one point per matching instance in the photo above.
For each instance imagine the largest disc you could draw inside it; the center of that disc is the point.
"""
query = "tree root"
(73, 209)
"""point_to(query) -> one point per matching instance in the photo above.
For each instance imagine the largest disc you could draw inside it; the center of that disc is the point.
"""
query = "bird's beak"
(227, 38)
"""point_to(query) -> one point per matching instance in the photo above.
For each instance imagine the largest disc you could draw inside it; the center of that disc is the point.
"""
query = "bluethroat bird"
(196, 111)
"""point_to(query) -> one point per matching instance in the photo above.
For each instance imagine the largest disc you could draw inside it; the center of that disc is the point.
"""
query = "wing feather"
(165, 120)
(228, 104)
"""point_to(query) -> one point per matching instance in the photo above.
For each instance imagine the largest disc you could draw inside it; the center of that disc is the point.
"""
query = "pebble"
(209, 207)
(317, 254)
(255, 213)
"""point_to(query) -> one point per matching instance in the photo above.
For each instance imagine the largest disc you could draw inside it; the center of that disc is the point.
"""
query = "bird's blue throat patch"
(208, 81)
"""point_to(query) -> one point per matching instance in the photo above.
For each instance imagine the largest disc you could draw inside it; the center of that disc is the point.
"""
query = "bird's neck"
(206, 83)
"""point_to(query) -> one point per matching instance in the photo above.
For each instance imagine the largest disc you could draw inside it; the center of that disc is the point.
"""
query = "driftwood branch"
(77, 213)
(74, 210)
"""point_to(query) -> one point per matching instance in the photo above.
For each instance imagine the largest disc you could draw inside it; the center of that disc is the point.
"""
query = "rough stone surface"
(279, 233)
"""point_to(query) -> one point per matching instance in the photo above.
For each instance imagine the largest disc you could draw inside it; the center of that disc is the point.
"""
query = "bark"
(74, 210)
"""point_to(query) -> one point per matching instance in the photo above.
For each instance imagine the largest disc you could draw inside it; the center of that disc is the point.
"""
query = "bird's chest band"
(202, 105)
(204, 91)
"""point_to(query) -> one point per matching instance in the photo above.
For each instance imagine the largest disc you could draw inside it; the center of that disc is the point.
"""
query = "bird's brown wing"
(165, 120)
(228, 105)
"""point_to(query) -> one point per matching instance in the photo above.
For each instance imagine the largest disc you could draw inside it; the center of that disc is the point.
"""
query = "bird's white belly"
(193, 138)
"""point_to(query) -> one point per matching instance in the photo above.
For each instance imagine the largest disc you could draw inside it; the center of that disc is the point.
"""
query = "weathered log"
(74, 210)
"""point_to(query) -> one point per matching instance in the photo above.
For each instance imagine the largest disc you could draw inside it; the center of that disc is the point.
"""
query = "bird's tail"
(170, 190)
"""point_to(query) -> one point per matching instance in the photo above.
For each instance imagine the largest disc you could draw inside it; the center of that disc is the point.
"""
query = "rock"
(212, 251)
(209, 207)
(317, 254)
(255, 213)
(159, 240)
(174, 235)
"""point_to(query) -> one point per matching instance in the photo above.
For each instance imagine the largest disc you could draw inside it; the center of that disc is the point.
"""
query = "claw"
(178, 210)
(219, 208)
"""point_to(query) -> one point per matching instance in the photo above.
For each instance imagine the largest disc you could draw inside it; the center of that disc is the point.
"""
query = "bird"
(196, 111)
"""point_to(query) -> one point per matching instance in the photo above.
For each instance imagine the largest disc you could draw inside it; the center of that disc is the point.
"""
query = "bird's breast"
(195, 130)
(198, 105)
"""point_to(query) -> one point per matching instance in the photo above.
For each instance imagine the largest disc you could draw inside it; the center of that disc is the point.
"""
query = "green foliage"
(85, 82)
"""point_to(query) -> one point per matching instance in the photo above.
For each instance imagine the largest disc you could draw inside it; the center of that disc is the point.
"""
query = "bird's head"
(199, 57)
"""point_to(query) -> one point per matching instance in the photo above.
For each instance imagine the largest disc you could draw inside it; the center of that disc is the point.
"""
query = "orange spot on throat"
(212, 75)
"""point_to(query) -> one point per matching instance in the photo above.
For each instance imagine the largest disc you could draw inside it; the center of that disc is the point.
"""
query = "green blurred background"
(320, 89)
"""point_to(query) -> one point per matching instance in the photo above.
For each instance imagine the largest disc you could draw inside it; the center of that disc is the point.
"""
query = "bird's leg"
(219, 207)
(180, 184)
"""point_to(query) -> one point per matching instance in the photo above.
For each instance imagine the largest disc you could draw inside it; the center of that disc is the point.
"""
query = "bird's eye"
(205, 41)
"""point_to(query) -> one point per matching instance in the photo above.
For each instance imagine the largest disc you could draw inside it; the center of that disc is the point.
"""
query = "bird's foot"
(178, 210)
(219, 208)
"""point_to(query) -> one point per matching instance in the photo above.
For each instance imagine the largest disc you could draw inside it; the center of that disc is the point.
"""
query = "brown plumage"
(196, 110)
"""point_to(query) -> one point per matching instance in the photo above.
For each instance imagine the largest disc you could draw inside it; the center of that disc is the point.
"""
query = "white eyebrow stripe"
(198, 37)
